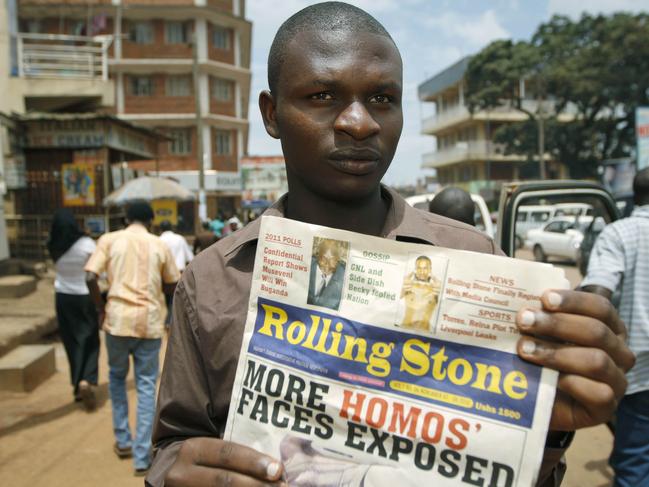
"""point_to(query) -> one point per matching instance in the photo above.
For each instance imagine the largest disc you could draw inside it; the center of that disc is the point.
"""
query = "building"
(153, 63)
(465, 154)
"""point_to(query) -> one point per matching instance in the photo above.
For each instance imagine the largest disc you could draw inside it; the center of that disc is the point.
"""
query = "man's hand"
(580, 335)
(210, 461)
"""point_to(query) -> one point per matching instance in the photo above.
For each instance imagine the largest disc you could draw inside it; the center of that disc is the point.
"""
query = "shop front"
(71, 161)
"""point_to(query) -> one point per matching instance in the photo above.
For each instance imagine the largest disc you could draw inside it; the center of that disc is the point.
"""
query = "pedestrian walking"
(217, 225)
(177, 245)
(619, 261)
(70, 249)
(181, 254)
(204, 238)
(139, 267)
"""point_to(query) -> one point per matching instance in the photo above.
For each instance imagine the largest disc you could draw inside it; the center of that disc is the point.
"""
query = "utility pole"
(200, 157)
(539, 119)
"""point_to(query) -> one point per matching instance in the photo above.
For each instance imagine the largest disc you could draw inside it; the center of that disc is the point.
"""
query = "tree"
(594, 72)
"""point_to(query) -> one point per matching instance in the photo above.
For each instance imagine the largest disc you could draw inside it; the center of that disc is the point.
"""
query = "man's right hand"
(211, 461)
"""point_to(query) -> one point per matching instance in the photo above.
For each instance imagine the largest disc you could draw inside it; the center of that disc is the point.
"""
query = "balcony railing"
(63, 56)
(466, 151)
(460, 113)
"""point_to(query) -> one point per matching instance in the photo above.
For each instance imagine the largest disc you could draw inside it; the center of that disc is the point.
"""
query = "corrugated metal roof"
(444, 79)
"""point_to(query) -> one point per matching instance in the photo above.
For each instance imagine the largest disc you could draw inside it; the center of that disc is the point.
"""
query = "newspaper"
(371, 362)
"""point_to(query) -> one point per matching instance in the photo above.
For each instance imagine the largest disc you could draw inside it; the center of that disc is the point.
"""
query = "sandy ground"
(48, 440)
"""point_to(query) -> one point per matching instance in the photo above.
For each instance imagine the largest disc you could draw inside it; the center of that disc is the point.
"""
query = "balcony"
(60, 71)
(460, 114)
(63, 56)
(478, 150)
(447, 118)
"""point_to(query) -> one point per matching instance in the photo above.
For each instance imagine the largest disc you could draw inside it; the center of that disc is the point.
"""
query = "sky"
(431, 35)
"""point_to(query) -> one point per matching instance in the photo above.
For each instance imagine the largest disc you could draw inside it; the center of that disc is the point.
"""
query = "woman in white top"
(75, 311)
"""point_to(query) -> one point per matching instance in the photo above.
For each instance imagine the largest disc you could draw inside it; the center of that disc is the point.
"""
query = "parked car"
(531, 217)
(482, 215)
(561, 237)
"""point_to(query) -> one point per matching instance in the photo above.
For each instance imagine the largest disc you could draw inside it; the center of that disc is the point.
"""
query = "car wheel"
(539, 255)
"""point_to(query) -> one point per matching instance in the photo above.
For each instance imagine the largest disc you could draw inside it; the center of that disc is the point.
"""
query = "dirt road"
(46, 440)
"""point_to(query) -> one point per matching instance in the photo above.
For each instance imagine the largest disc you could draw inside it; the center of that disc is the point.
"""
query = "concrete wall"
(7, 103)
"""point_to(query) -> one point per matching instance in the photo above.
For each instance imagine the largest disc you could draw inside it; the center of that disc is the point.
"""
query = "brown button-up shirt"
(209, 315)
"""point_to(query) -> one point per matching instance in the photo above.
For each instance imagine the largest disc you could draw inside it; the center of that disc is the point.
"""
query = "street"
(48, 440)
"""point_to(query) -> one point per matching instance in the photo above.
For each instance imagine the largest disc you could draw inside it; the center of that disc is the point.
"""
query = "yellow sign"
(78, 182)
(165, 210)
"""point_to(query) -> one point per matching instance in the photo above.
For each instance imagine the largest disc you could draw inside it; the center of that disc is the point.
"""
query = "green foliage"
(592, 73)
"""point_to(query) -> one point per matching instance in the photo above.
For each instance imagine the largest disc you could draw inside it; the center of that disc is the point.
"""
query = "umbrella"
(148, 188)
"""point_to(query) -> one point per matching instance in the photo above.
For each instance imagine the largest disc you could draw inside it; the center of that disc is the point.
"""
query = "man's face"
(422, 270)
(327, 260)
(338, 112)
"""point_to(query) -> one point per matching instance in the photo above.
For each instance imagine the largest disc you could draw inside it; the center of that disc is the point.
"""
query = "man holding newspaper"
(335, 79)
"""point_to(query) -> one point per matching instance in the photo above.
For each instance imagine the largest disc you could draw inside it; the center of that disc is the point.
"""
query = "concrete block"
(25, 367)
(17, 286)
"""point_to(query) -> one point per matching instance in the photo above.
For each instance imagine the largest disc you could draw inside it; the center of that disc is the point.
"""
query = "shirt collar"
(137, 227)
(403, 222)
(641, 211)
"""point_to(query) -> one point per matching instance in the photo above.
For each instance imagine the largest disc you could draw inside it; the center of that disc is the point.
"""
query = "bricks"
(17, 286)
(25, 367)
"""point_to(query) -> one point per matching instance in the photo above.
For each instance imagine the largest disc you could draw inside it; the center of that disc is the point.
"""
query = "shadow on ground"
(59, 412)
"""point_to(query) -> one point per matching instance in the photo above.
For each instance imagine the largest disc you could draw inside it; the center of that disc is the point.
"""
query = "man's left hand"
(580, 335)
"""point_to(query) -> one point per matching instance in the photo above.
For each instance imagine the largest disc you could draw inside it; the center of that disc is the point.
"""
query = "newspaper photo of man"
(327, 276)
(420, 292)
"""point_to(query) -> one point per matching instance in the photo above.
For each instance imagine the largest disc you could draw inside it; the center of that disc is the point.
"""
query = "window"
(141, 86)
(223, 144)
(555, 227)
(141, 33)
(178, 86)
(176, 33)
(181, 143)
(221, 89)
(78, 28)
(540, 217)
(33, 26)
(221, 38)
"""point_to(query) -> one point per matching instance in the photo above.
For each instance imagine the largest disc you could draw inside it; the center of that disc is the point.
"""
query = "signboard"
(78, 182)
(264, 178)
(165, 210)
(88, 134)
(76, 134)
(642, 136)
(219, 181)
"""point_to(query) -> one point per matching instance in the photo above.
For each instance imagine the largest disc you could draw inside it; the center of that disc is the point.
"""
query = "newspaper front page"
(371, 362)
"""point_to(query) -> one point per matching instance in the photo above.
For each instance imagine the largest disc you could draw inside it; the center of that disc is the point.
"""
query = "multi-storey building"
(167, 60)
(465, 153)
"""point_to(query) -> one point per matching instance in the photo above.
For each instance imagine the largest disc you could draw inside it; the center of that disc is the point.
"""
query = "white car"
(530, 217)
(482, 217)
(561, 237)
